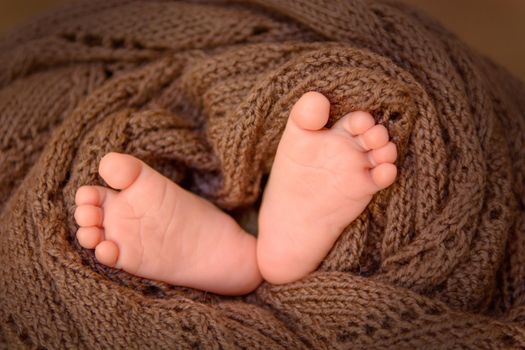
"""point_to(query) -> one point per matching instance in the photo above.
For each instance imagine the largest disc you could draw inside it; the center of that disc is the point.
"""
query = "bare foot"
(155, 229)
(321, 180)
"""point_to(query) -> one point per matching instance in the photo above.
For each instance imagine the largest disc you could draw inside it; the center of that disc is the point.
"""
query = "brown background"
(493, 27)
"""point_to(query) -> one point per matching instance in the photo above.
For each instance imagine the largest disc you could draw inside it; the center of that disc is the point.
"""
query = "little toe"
(89, 215)
(384, 175)
(311, 111)
(375, 137)
(385, 154)
(119, 170)
(93, 195)
(89, 237)
(356, 123)
(107, 253)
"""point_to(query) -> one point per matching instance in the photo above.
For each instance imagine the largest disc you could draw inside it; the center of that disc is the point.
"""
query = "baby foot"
(321, 180)
(155, 229)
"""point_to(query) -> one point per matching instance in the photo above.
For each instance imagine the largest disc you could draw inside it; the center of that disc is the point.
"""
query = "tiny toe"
(119, 170)
(89, 237)
(384, 175)
(375, 137)
(93, 195)
(89, 215)
(356, 123)
(107, 253)
(311, 111)
(385, 154)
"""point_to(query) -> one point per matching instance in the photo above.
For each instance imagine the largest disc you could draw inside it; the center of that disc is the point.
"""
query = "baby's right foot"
(155, 229)
(321, 180)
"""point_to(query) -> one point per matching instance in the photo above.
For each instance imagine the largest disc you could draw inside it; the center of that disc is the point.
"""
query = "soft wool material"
(201, 91)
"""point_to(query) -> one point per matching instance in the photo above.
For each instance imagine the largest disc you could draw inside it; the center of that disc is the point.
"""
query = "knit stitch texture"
(201, 90)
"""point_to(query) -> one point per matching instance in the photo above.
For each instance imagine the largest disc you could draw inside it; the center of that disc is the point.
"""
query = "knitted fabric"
(201, 91)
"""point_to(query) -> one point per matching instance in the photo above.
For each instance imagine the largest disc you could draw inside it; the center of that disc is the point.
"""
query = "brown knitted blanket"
(201, 90)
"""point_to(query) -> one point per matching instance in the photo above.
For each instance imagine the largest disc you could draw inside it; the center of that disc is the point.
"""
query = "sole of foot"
(151, 227)
(321, 180)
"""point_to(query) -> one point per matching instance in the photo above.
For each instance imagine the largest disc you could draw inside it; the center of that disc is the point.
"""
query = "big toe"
(107, 253)
(119, 170)
(311, 111)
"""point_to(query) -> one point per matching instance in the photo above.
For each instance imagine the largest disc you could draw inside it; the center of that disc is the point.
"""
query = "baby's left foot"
(151, 227)
(321, 180)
